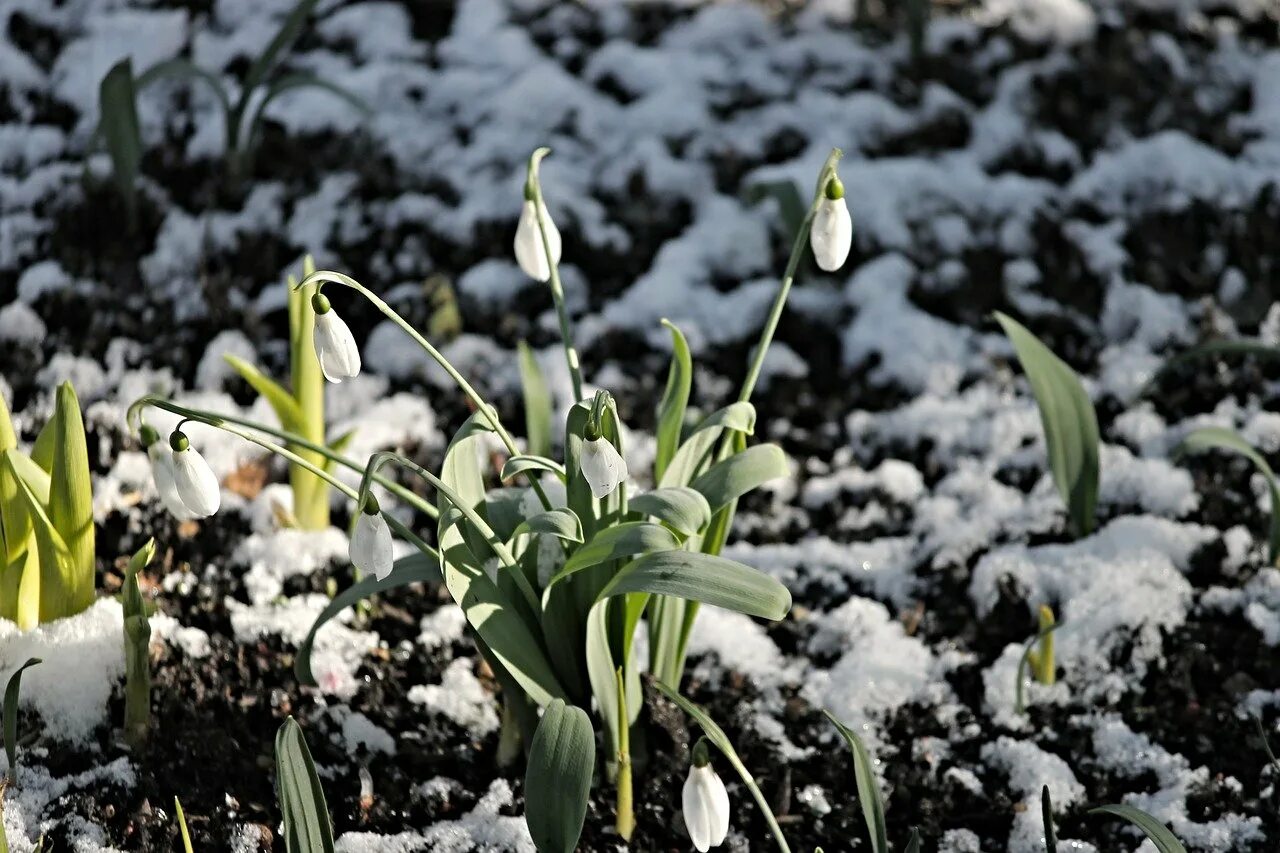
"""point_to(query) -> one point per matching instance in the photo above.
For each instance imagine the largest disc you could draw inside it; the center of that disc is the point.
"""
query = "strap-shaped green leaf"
(12, 693)
(868, 790)
(681, 507)
(8, 438)
(1221, 438)
(118, 121)
(71, 500)
(1243, 346)
(730, 479)
(713, 580)
(675, 399)
(537, 402)
(414, 568)
(558, 780)
(57, 568)
(697, 451)
(561, 523)
(1164, 840)
(282, 402)
(1046, 816)
(522, 463)
(307, 825)
(15, 521)
(615, 543)
(1069, 421)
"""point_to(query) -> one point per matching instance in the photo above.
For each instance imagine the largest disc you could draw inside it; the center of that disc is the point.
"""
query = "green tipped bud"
(701, 758)
(370, 505)
(320, 303)
(591, 432)
(178, 441)
(148, 435)
(530, 192)
(835, 189)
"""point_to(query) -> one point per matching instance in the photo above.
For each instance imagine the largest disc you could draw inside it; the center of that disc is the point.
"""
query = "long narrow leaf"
(618, 542)
(1069, 421)
(675, 399)
(1160, 836)
(1245, 346)
(695, 454)
(1046, 816)
(182, 826)
(1221, 438)
(12, 692)
(705, 578)
(117, 105)
(731, 478)
(537, 402)
(683, 508)
(71, 500)
(307, 825)
(868, 791)
(561, 523)
(558, 780)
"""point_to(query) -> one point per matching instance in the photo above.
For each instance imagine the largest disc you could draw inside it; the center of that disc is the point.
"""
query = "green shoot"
(137, 652)
(868, 792)
(182, 826)
(1028, 653)
(1043, 667)
(11, 696)
(1046, 814)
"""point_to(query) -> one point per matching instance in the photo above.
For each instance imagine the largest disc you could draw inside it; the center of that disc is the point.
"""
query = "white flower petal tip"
(335, 347)
(602, 466)
(530, 253)
(162, 472)
(196, 484)
(371, 550)
(831, 235)
(706, 808)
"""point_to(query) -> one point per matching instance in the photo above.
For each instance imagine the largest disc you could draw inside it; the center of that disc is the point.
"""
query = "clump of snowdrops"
(554, 561)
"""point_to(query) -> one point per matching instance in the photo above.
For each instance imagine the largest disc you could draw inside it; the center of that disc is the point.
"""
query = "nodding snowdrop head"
(530, 253)
(335, 346)
(370, 550)
(196, 484)
(162, 472)
(602, 465)
(832, 232)
(705, 803)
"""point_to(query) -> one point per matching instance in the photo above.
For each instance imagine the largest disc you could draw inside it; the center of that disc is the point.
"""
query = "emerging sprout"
(12, 692)
(1043, 666)
(335, 346)
(705, 802)
(832, 232)
(196, 483)
(370, 550)
(137, 652)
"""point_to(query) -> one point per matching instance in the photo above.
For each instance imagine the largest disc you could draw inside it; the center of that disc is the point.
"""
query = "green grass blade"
(1069, 421)
(675, 399)
(868, 792)
(11, 696)
(1160, 836)
(307, 826)
(557, 784)
(537, 402)
(913, 846)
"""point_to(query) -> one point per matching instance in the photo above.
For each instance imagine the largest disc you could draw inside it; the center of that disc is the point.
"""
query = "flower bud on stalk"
(335, 345)
(196, 484)
(831, 235)
(530, 253)
(370, 549)
(705, 803)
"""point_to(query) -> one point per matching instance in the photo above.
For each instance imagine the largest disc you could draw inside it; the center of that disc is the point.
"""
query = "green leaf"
(1046, 815)
(1221, 438)
(71, 500)
(913, 845)
(522, 463)
(282, 42)
(1069, 421)
(290, 82)
(182, 826)
(674, 401)
(1160, 836)
(137, 651)
(1245, 346)
(615, 543)
(15, 521)
(282, 403)
(181, 68)
(868, 791)
(537, 402)
(307, 825)
(11, 695)
(730, 479)
(57, 569)
(681, 507)
(697, 451)
(708, 579)
(118, 122)
(8, 438)
(558, 780)
(1019, 703)
(561, 523)
(414, 568)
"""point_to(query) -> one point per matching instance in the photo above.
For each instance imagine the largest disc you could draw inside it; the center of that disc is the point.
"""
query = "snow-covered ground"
(1107, 171)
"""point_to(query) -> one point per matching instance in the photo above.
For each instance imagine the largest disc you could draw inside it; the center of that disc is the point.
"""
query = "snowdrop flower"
(162, 472)
(530, 253)
(196, 484)
(370, 550)
(602, 465)
(335, 347)
(705, 803)
(832, 232)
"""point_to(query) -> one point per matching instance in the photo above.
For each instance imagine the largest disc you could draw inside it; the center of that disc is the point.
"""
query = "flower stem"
(557, 289)
(626, 820)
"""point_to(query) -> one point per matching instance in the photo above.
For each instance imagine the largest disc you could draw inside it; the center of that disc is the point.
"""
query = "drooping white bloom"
(831, 235)
(706, 807)
(196, 484)
(602, 466)
(530, 253)
(162, 472)
(370, 549)
(335, 346)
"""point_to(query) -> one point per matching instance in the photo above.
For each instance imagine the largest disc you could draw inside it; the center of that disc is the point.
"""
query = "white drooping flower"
(196, 484)
(602, 466)
(370, 549)
(162, 472)
(705, 803)
(335, 346)
(831, 235)
(530, 253)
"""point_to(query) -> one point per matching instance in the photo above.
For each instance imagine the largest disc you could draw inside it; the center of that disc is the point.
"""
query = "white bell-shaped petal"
(706, 808)
(370, 550)
(336, 348)
(530, 253)
(162, 471)
(196, 483)
(602, 466)
(831, 234)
